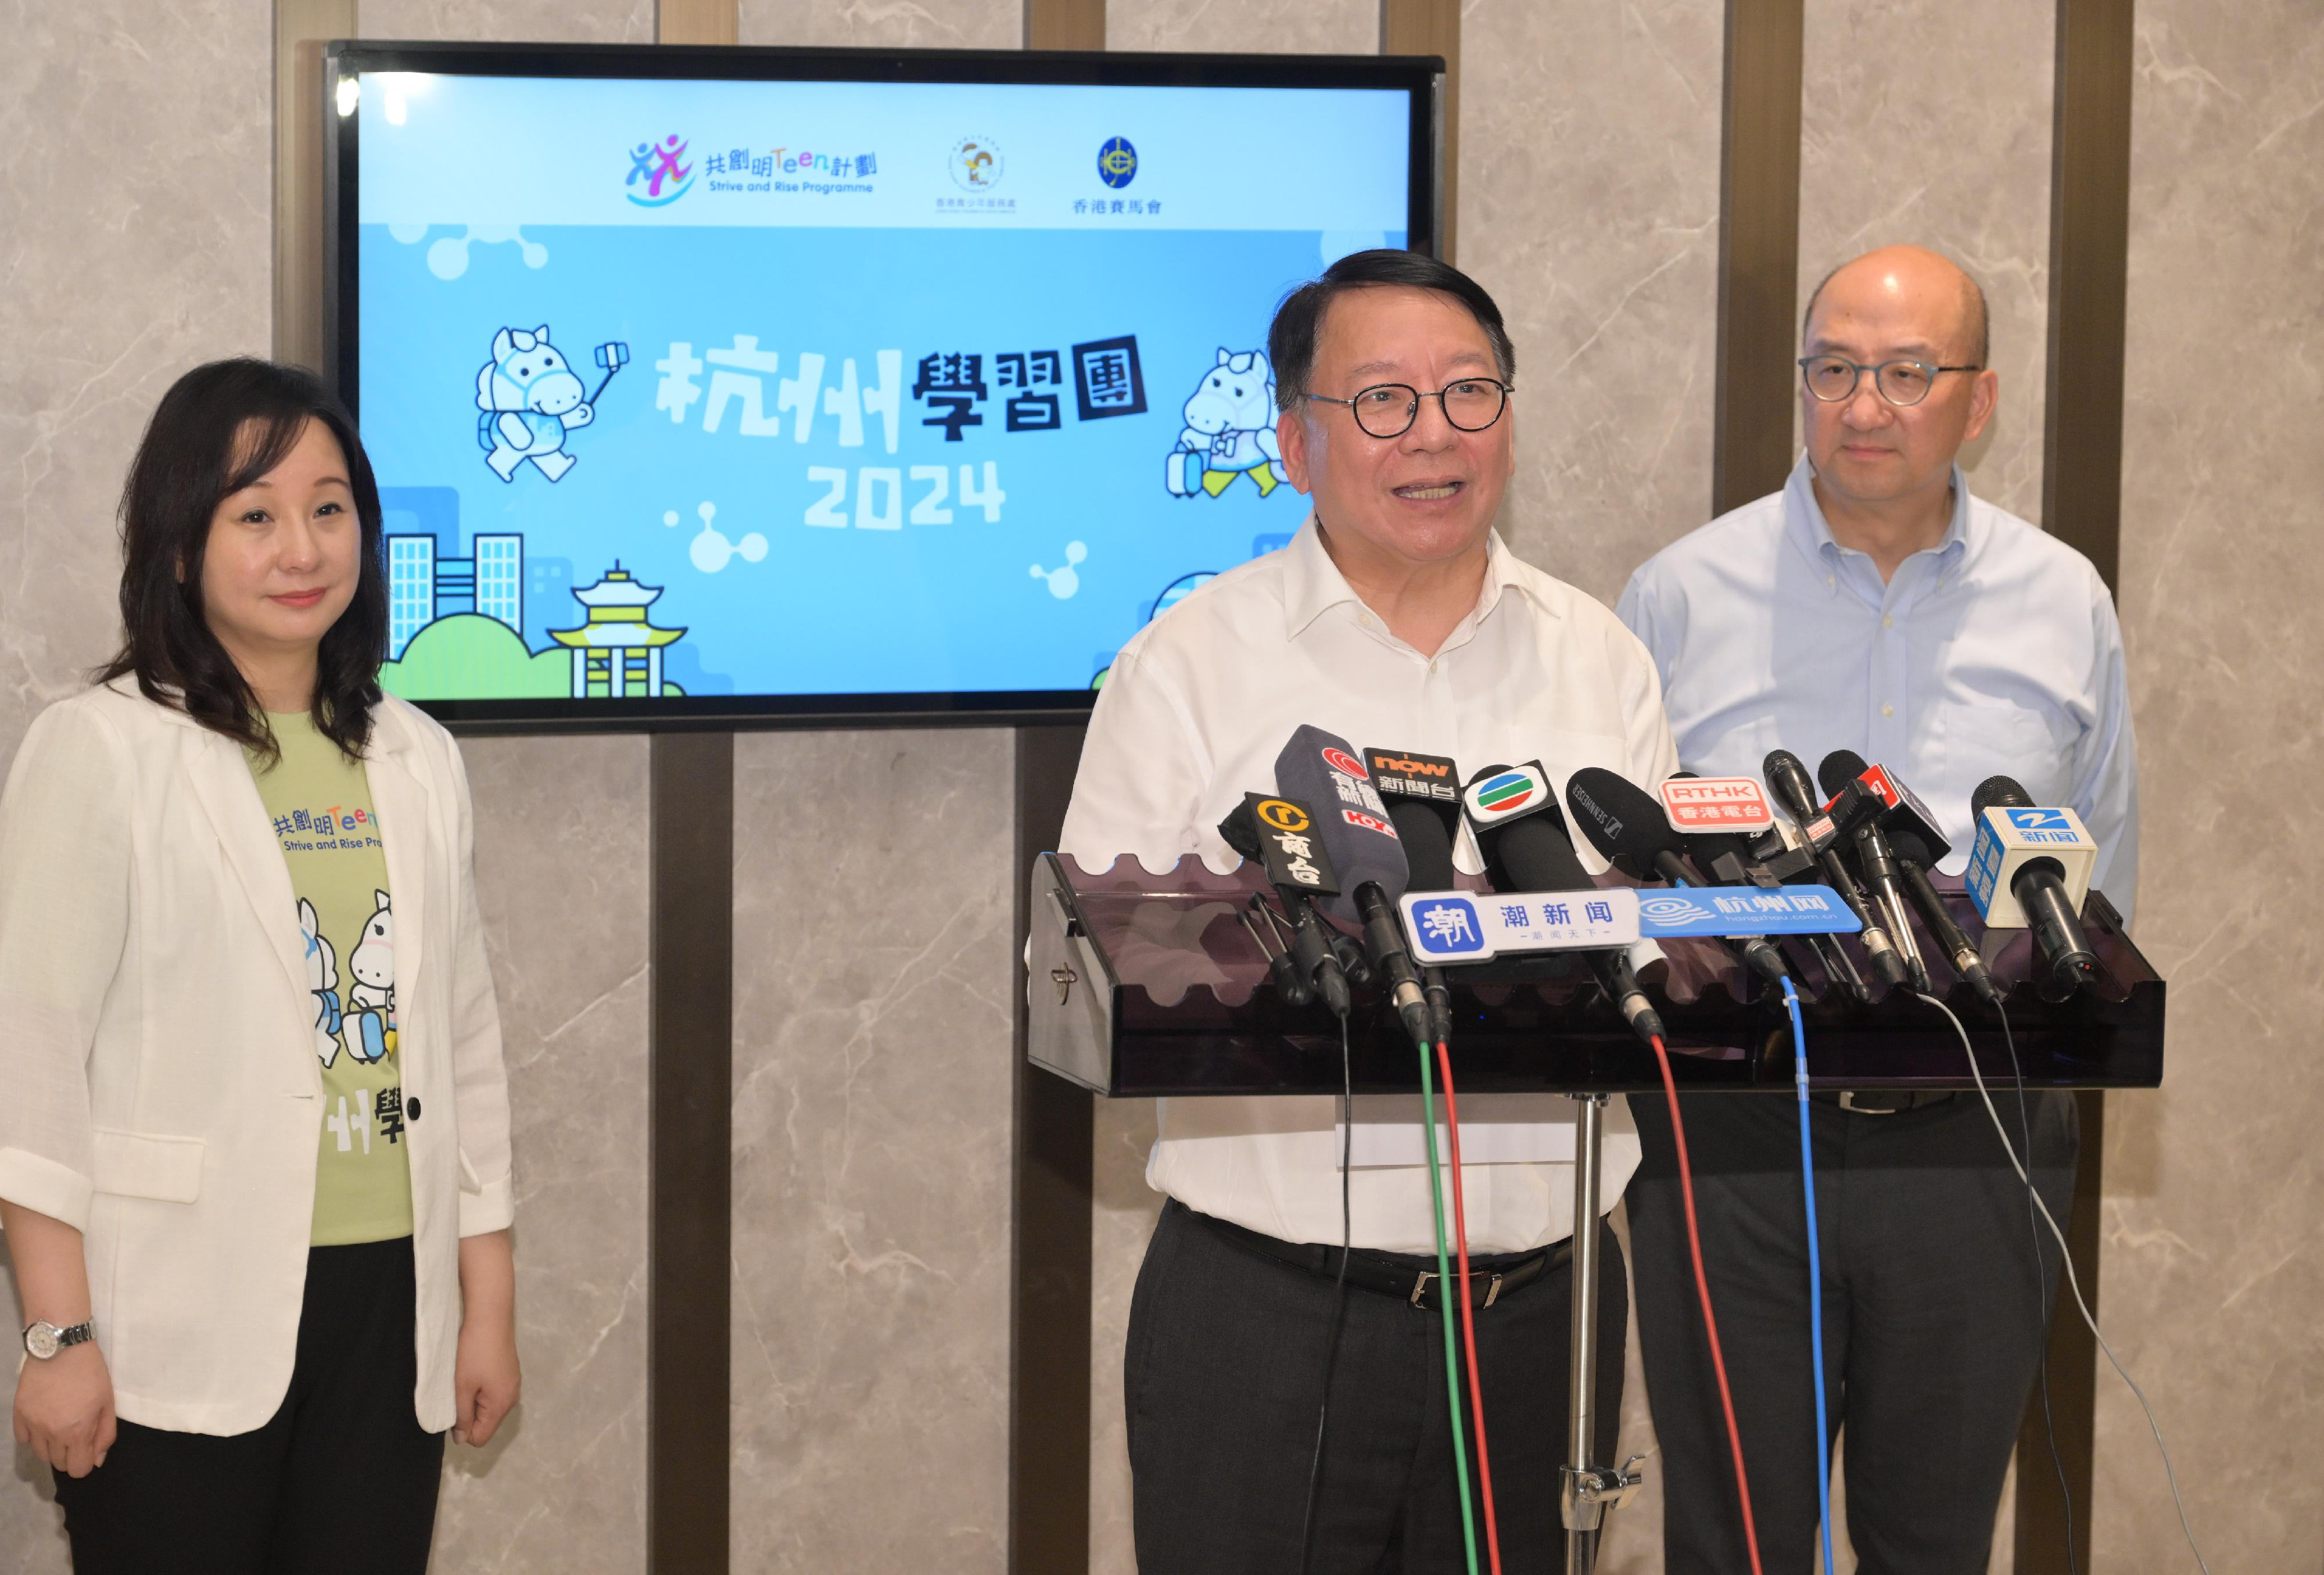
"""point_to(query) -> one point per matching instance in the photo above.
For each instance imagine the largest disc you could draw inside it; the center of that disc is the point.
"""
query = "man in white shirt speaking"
(1873, 605)
(1396, 619)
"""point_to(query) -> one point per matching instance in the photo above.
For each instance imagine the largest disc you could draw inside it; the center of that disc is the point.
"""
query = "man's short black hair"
(1291, 339)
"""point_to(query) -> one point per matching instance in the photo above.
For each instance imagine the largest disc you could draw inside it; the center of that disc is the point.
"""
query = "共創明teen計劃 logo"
(657, 174)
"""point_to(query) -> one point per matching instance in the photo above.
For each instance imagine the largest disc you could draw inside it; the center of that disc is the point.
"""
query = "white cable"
(2066, 1257)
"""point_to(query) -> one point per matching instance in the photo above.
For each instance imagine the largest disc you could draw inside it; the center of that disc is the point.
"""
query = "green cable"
(1446, 1290)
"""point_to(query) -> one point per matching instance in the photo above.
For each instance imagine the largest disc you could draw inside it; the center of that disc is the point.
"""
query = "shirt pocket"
(1979, 739)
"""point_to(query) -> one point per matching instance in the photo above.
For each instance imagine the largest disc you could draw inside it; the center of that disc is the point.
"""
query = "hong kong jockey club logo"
(659, 175)
(1117, 162)
(977, 164)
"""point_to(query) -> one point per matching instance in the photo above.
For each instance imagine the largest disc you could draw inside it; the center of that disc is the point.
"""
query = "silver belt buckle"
(1848, 1103)
(1420, 1286)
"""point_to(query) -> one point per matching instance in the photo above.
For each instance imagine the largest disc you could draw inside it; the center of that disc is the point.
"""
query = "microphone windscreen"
(1787, 774)
(1997, 793)
(1624, 821)
(1534, 854)
(1322, 770)
(1909, 849)
(1426, 827)
(1840, 768)
(1239, 831)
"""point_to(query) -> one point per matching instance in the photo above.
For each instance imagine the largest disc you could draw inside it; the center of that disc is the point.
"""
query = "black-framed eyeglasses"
(1833, 378)
(1389, 410)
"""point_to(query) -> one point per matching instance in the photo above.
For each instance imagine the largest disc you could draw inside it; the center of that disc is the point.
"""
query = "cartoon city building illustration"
(426, 578)
(616, 652)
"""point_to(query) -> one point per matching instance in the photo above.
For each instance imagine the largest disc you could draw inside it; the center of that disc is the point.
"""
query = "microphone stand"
(1587, 1491)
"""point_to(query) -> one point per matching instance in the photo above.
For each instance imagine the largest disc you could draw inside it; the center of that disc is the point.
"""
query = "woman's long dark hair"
(220, 427)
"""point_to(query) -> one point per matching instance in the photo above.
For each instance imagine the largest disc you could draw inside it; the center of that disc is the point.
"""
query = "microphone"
(1917, 843)
(1280, 832)
(1627, 826)
(1712, 852)
(1353, 825)
(1423, 795)
(2038, 885)
(1913, 860)
(1839, 771)
(1531, 850)
(1789, 777)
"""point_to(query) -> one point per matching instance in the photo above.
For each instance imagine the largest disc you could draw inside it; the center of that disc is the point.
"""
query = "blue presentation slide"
(811, 389)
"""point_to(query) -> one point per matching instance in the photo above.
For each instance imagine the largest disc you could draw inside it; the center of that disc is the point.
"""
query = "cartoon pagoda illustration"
(615, 651)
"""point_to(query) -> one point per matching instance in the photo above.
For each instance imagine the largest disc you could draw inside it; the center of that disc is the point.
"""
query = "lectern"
(1148, 985)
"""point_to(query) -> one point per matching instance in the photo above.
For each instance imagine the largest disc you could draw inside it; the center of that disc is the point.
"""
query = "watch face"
(40, 1340)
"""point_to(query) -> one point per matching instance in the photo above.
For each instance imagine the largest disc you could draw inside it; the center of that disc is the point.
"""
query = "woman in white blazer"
(254, 1121)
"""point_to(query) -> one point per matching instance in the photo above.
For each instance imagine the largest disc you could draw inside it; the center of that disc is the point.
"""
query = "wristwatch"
(44, 1340)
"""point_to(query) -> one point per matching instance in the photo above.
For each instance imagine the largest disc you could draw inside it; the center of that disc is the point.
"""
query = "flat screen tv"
(769, 386)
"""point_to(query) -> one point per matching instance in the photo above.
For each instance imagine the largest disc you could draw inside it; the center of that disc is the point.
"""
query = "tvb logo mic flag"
(1497, 797)
(1288, 845)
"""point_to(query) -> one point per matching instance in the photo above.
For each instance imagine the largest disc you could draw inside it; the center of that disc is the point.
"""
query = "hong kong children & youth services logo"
(659, 176)
(977, 164)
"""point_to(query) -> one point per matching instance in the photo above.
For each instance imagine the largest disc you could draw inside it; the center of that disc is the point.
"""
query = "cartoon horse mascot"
(371, 1003)
(1230, 429)
(530, 397)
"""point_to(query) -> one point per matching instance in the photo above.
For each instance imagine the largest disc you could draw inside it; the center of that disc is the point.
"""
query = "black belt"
(1886, 1104)
(1391, 1274)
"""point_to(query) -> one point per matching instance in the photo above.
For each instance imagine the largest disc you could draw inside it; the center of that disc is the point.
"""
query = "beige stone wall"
(1928, 122)
(2214, 1262)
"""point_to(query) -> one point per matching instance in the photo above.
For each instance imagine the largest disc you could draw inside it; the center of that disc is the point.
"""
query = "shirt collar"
(1805, 522)
(1313, 584)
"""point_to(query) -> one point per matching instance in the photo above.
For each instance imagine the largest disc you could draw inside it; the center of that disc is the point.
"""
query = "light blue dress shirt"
(1996, 650)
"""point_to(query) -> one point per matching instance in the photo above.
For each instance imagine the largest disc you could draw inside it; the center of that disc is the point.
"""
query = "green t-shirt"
(320, 803)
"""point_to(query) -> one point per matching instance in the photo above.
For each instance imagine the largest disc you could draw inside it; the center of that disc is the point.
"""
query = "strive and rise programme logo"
(657, 174)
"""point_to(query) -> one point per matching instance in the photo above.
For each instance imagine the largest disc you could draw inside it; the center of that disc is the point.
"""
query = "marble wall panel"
(510, 20)
(1290, 27)
(1928, 122)
(873, 1086)
(137, 243)
(924, 24)
(2213, 1251)
(561, 874)
(1590, 209)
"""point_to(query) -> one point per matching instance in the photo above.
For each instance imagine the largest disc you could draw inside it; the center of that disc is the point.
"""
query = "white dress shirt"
(1192, 714)
(1995, 651)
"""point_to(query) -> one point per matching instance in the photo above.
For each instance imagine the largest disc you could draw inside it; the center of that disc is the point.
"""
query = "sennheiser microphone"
(1789, 777)
(1629, 827)
(1838, 774)
(2039, 886)
(1351, 824)
(1729, 858)
(1913, 861)
(1531, 850)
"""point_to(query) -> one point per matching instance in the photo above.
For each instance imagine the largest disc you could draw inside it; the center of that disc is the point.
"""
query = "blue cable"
(1815, 1275)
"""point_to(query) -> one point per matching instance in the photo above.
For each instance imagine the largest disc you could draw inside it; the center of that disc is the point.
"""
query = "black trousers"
(341, 1478)
(1935, 1312)
(1222, 1374)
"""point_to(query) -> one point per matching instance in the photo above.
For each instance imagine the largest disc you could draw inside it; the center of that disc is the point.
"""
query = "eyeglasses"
(1390, 409)
(1833, 378)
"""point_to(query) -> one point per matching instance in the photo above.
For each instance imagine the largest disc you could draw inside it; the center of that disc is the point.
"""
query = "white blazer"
(159, 1087)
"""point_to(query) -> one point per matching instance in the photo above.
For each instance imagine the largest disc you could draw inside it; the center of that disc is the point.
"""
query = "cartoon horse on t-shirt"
(322, 983)
(370, 1000)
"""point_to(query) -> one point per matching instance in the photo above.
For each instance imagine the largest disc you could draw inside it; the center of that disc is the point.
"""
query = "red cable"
(1703, 1290)
(1468, 1317)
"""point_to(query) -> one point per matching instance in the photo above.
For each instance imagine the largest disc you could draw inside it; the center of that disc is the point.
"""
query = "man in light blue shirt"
(1873, 605)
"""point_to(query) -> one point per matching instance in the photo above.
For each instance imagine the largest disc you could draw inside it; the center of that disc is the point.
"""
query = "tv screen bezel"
(1421, 75)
